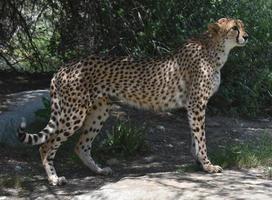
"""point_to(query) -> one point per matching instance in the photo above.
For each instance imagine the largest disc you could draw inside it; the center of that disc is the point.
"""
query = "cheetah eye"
(235, 28)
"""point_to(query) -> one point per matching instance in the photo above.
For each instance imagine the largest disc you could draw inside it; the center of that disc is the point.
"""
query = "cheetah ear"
(213, 28)
(222, 20)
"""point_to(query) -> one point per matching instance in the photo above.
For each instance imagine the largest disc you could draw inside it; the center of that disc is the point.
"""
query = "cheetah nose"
(245, 37)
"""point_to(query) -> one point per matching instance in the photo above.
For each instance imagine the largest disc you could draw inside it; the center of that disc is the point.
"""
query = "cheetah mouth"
(241, 43)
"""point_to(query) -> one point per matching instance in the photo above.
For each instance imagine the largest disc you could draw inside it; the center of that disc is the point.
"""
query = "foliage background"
(39, 35)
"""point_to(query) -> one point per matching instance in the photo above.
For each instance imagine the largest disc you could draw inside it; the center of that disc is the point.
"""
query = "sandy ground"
(154, 175)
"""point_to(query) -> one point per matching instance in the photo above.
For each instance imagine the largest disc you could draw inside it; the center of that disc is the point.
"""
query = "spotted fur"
(81, 93)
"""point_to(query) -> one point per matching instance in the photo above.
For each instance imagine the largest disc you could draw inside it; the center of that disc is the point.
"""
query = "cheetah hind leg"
(49, 149)
(49, 167)
(97, 115)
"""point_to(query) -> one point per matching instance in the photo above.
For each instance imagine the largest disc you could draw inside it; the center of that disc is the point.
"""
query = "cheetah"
(81, 93)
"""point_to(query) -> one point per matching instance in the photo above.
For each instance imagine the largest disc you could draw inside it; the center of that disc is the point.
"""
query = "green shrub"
(245, 155)
(144, 28)
(124, 140)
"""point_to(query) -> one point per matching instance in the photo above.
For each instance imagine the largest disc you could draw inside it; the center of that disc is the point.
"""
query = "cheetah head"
(231, 31)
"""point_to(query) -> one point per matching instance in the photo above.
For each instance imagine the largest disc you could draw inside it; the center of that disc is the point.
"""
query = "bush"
(69, 29)
(125, 140)
(248, 154)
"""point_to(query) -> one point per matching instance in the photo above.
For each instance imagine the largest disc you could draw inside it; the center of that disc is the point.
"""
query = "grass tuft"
(248, 154)
(268, 172)
(10, 182)
(125, 140)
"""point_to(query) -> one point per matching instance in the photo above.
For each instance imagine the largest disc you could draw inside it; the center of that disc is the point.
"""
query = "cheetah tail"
(35, 139)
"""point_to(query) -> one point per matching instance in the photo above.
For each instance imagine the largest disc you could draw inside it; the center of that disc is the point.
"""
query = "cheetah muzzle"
(81, 92)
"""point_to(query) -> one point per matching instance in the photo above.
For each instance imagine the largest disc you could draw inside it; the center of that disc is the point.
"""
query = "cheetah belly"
(173, 96)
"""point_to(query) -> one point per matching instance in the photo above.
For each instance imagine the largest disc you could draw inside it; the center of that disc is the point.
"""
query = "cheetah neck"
(217, 48)
(219, 53)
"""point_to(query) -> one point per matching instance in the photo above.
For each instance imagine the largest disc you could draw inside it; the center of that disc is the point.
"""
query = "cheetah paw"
(57, 181)
(212, 168)
(106, 171)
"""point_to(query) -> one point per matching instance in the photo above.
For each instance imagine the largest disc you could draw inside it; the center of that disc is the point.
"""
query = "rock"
(18, 168)
(112, 161)
(264, 120)
(15, 106)
(149, 158)
(177, 186)
(151, 130)
(170, 145)
(161, 128)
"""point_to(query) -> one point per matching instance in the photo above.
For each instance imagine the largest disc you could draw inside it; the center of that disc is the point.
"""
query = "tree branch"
(8, 62)
(23, 23)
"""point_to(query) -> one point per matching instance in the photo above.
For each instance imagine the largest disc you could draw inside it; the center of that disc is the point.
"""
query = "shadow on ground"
(155, 175)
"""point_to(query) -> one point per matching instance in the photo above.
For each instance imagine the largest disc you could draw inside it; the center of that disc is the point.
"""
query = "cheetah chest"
(216, 81)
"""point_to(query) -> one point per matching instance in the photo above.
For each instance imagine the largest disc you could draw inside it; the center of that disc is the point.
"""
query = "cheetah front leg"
(197, 123)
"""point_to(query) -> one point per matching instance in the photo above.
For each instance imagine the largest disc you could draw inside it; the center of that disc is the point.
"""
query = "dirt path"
(153, 175)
